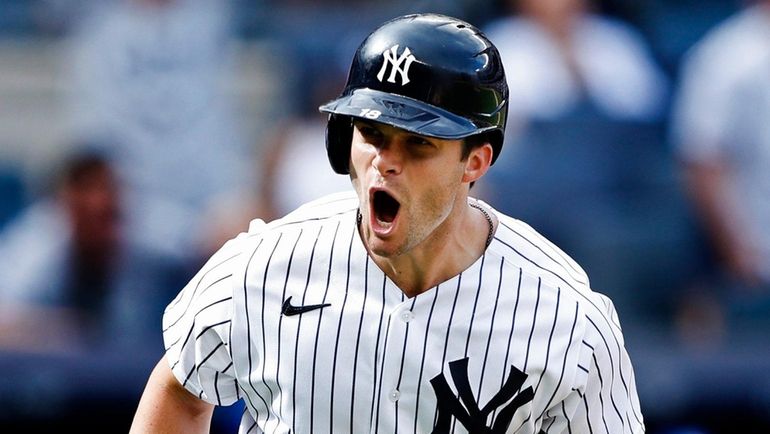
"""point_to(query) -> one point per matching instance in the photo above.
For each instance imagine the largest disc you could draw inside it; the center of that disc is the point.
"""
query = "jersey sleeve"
(196, 329)
(604, 396)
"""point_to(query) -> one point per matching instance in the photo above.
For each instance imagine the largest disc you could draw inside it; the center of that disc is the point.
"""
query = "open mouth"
(385, 206)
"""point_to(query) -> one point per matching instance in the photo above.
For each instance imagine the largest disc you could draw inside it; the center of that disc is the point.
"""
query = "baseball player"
(405, 306)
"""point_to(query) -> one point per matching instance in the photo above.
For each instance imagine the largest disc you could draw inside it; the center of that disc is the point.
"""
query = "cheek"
(357, 168)
(439, 193)
(447, 176)
(359, 155)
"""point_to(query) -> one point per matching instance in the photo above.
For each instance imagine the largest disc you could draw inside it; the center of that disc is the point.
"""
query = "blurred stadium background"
(646, 250)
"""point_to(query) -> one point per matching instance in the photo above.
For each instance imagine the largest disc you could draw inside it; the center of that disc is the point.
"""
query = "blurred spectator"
(69, 279)
(722, 135)
(12, 192)
(558, 53)
(585, 160)
(152, 74)
(295, 167)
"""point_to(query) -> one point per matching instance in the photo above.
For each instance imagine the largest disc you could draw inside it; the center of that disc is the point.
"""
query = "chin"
(384, 248)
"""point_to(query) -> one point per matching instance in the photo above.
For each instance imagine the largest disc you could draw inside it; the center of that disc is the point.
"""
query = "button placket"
(394, 395)
(406, 315)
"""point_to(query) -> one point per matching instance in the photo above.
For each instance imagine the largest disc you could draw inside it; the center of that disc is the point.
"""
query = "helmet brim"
(402, 112)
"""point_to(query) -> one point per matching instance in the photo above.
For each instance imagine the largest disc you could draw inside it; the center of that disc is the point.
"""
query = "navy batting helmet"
(430, 74)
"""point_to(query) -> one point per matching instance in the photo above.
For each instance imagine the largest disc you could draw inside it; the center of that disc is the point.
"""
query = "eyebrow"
(365, 122)
(379, 127)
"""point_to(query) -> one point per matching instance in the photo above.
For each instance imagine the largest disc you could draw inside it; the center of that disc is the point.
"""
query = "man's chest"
(352, 352)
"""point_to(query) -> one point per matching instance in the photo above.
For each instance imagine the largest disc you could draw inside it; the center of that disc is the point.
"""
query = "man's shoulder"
(525, 247)
(328, 209)
(324, 209)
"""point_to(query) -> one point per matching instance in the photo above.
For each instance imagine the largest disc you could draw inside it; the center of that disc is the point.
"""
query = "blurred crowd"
(637, 141)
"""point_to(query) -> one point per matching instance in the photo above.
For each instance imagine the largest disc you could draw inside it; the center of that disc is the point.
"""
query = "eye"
(368, 131)
(419, 141)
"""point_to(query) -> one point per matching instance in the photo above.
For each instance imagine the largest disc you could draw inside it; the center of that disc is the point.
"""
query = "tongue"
(385, 207)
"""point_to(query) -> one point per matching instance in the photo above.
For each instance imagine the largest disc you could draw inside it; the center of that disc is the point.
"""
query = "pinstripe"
(280, 322)
(638, 417)
(564, 362)
(262, 318)
(251, 428)
(473, 314)
(550, 339)
(547, 348)
(480, 324)
(320, 317)
(339, 328)
(561, 278)
(213, 303)
(534, 322)
(382, 367)
(510, 335)
(197, 367)
(299, 327)
(475, 305)
(491, 327)
(401, 368)
(377, 346)
(625, 385)
(209, 327)
(609, 320)
(190, 333)
(612, 372)
(220, 280)
(209, 355)
(449, 328)
(599, 392)
(567, 264)
(184, 344)
(422, 359)
(230, 341)
(358, 345)
(550, 424)
(173, 304)
(248, 335)
(566, 418)
(216, 387)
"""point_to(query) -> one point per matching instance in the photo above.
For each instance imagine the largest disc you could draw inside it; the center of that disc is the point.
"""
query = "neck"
(451, 248)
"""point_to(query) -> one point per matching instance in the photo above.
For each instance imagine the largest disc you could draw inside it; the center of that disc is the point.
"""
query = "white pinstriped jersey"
(516, 343)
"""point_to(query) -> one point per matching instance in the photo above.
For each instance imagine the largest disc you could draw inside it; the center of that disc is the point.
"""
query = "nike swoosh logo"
(290, 310)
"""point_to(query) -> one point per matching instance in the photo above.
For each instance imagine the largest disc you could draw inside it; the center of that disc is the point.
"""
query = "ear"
(478, 162)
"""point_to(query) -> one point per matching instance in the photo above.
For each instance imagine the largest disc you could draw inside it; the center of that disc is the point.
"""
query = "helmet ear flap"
(339, 133)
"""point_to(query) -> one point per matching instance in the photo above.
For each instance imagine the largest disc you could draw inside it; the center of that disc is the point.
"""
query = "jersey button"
(394, 395)
(407, 316)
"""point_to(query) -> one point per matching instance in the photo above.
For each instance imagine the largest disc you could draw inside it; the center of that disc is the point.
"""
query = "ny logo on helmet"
(400, 64)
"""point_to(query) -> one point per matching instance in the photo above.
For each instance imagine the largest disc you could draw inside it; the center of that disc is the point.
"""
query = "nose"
(388, 159)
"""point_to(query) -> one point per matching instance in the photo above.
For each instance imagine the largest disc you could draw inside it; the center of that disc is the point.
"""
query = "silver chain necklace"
(489, 222)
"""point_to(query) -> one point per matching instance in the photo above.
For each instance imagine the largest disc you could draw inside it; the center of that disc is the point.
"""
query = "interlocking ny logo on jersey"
(400, 64)
(465, 408)
(289, 310)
